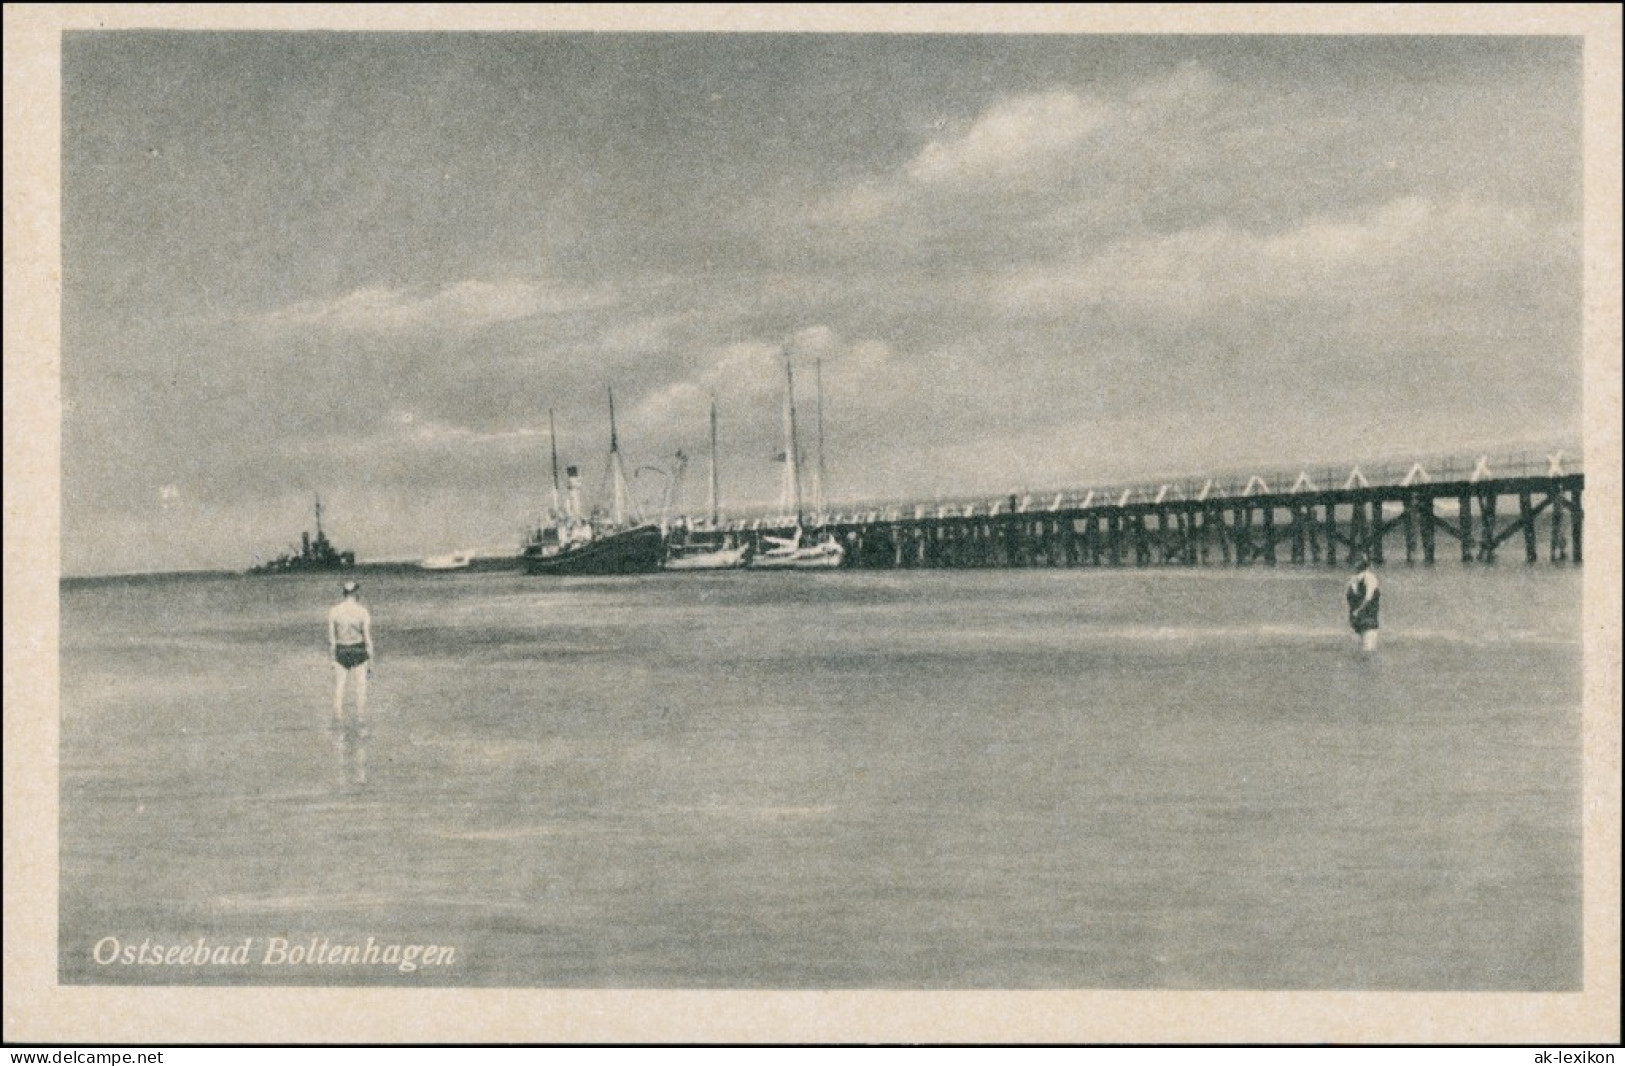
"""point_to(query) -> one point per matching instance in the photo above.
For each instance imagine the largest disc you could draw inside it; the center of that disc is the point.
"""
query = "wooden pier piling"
(1246, 527)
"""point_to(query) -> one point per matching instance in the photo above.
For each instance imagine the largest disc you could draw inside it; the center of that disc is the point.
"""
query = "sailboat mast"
(819, 474)
(792, 451)
(715, 512)
(617, 472)
(553, 439)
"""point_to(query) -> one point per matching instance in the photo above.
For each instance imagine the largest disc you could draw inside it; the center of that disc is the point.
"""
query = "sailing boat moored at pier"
(688, 548)
(791, 553)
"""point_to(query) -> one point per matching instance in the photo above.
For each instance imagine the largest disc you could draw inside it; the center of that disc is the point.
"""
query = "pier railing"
(1300, 515)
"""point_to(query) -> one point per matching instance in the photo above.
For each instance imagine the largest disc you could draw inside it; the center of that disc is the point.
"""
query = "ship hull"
(718, 559)
(790, 554)
(301, 565)
(442, 563)
(640, 550)
(802, 560)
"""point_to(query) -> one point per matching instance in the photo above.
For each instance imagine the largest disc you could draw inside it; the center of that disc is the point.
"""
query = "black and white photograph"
(1114, 507)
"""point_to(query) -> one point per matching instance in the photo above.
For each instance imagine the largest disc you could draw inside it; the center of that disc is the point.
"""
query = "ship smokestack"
(572, 483)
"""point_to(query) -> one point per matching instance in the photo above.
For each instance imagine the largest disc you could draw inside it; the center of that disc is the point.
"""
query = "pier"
(1479, 511)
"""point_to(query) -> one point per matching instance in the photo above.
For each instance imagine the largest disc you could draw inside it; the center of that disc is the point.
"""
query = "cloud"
(812, 341)
(408, 431)
(748, 380)
(1011, 140)
(672, 405)
(1023, 153)
(465, 305)
(639, 336)
(754, 367)
(754, 370)
(1010, 146)
(1221, 268)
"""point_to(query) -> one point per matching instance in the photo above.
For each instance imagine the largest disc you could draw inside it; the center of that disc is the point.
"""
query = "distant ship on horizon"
(315, 554)
(458, 560)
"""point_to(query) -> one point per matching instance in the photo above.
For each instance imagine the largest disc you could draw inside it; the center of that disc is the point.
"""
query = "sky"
(369, 265)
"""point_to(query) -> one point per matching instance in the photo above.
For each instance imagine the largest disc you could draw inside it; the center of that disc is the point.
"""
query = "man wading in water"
(1363, 597)
(349, 640)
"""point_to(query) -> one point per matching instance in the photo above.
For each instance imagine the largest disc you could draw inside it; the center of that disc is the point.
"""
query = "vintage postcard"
(784, 524)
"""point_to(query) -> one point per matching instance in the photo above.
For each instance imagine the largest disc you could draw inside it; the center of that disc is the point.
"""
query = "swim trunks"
(350, 656)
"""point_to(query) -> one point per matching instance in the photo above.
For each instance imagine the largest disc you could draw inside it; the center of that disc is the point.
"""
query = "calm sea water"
(1001, 779)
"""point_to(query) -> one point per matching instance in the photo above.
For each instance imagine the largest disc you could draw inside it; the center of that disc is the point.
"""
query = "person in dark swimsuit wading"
(1363, 600)
(349, 640)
